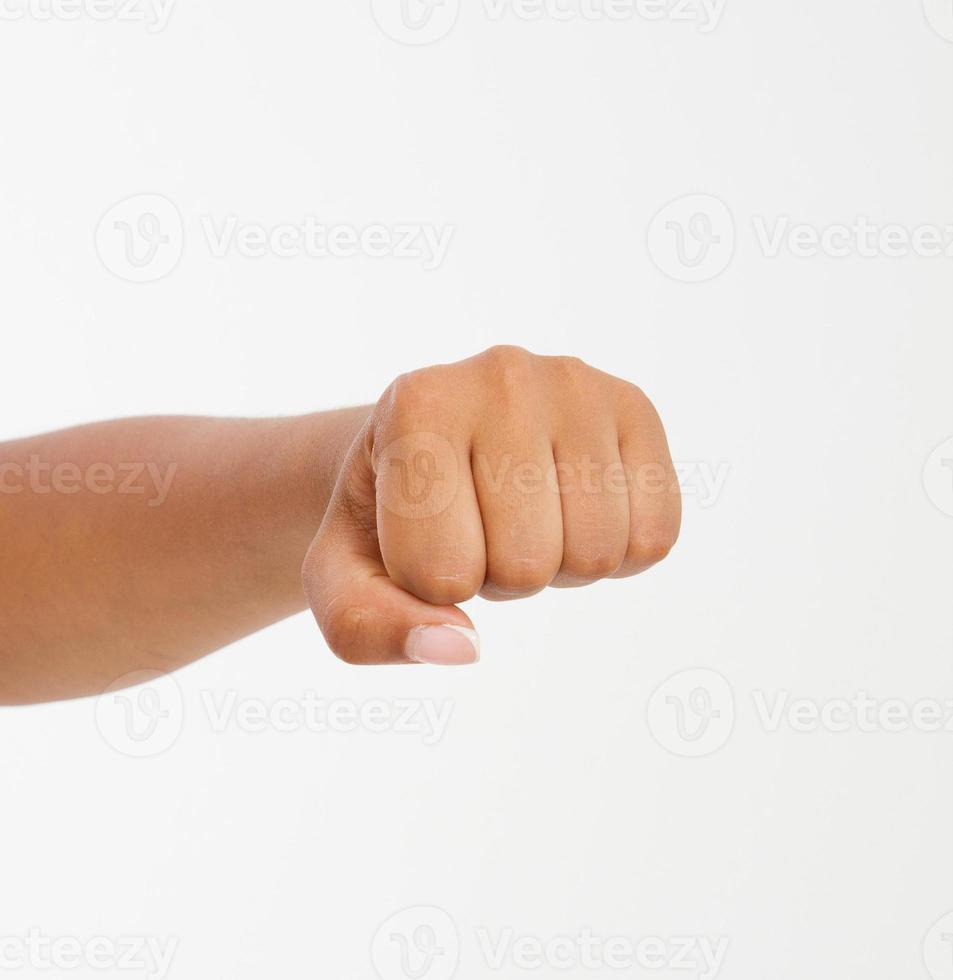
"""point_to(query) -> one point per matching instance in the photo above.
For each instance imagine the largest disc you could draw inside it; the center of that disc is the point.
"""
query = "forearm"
(147, 543)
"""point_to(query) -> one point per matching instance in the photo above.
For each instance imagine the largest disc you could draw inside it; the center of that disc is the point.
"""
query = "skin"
(499, 475)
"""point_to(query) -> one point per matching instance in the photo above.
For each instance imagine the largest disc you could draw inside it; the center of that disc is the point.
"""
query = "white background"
(554, 802)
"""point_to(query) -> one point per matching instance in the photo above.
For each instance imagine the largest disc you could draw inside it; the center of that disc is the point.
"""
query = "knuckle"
(449, 590)
(650, 545)
(633, 398)
(411, 397)
(443, 586)
(578, 380)
(508, 365)
(522, 576)
(570, 365)
(591, 565)
(507, 354)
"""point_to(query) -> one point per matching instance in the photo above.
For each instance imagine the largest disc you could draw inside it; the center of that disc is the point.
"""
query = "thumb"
(365, 617)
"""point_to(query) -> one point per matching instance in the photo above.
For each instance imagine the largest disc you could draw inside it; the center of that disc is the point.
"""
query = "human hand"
(498, 475)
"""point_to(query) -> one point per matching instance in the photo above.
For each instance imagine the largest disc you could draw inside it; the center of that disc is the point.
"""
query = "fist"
(498, 475)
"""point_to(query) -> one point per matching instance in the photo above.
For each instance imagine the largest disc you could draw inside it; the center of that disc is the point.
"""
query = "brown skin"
(443, 490)
(95, 585)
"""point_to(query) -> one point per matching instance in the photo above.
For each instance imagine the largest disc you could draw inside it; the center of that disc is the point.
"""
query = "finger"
(522, 518)
(595, 505)
(655, 500)
(428, 520)
(365, 617)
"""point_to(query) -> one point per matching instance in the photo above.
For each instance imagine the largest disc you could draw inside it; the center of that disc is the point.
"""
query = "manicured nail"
(444, 645)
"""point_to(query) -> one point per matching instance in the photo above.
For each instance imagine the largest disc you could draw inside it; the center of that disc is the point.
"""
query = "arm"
(147, 543)
(499, 475)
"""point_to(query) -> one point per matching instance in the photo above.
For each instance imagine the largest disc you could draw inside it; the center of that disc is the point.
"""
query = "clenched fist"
(498, 475)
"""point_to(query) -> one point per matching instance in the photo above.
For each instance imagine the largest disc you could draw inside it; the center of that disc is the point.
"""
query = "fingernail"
(444, 645)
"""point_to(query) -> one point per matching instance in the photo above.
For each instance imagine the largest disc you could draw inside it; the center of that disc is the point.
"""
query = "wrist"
(321, 442)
